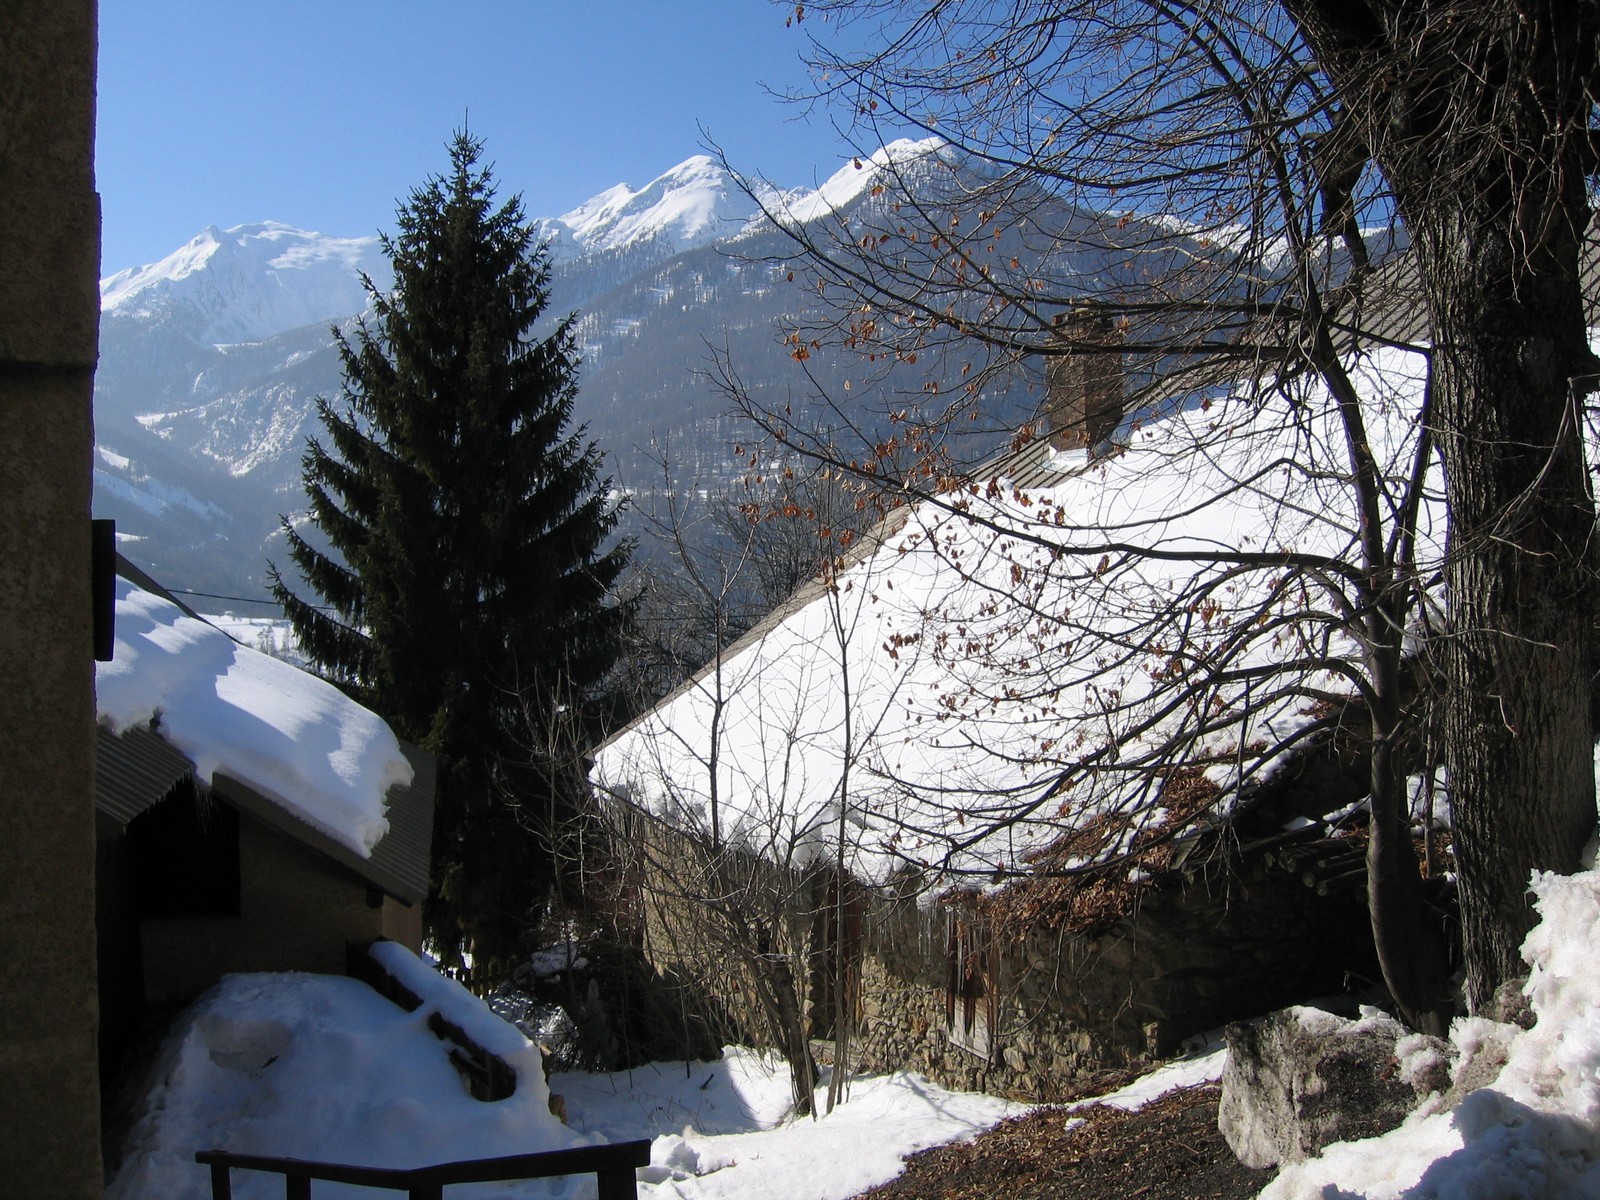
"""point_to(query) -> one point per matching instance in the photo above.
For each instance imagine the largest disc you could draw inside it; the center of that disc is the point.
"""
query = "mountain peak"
(249, 282)
(691, 204)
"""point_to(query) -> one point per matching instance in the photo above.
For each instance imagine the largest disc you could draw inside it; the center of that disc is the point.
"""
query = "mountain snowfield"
(250, 282)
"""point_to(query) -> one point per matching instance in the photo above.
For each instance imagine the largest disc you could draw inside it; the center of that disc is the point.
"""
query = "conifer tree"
(465, 579)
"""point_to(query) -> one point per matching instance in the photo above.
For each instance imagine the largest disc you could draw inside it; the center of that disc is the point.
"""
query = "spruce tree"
(465, 579)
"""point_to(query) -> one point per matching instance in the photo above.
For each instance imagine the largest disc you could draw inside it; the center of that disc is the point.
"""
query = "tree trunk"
(1518, 735)
(1478, 116)
(1411, 956)
(775, 984)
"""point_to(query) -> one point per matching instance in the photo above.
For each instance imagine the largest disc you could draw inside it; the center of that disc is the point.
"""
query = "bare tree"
(1237, 157)
(737, 845)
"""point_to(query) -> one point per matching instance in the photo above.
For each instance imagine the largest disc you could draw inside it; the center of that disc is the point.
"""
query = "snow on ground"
(720, 1129)
(1534, 1133)
(323, 1068)
(292, 737)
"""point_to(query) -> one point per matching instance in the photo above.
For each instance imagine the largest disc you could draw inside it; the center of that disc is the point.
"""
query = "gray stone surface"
(1300, 1079)
(49, 301)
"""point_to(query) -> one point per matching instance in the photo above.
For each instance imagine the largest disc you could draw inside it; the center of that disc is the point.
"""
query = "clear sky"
(322, 113)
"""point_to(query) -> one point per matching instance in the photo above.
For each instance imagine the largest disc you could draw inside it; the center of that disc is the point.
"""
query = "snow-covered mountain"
(694, 203)
(213, 358)
(250, 282)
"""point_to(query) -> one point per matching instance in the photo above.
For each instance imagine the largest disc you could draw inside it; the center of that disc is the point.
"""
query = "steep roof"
(181, 699)
(1046, 651)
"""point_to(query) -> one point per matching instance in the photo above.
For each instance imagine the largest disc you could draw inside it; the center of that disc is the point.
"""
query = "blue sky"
(322, 114)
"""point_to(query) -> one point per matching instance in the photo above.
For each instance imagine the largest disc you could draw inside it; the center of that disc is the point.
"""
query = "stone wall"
(1053, 1007)
(49, 309)
(1192, 956)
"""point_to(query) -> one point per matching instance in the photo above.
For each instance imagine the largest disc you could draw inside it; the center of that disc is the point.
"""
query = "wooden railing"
(612, 1166)
(487, 1076)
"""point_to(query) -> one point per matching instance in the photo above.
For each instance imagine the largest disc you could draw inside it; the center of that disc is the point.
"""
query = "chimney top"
(1083, 381)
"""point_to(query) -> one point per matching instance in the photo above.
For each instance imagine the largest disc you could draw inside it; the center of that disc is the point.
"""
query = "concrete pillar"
(49, 304)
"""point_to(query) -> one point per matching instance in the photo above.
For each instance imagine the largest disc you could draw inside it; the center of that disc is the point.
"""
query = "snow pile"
(463, 1010)
(720, 1129)
(233, 710)
(251, 282)
(1534, 1133)
(323, 1068)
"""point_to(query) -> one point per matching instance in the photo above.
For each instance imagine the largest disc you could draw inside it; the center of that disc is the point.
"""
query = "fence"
(612, 1166)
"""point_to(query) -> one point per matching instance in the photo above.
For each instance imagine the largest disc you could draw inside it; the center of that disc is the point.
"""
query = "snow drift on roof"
(1019, 662)
(232, 710)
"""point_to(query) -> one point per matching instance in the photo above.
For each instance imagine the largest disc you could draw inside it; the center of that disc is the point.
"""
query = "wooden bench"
(612, 1166)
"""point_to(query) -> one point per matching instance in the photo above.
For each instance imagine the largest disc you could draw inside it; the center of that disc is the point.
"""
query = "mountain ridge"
(214, 357)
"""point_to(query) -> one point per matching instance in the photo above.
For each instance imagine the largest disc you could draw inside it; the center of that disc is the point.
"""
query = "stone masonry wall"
(49, 309)
(1192, 957)
(1226, 945)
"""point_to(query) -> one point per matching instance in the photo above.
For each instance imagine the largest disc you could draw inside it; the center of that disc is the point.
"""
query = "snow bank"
(462, 1009)
(1534, 1133)
(323, 1068)
(292, 737)
(720, 1130)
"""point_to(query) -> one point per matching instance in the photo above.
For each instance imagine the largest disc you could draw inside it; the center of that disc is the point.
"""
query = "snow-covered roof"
(1018, 659)
(233, 711)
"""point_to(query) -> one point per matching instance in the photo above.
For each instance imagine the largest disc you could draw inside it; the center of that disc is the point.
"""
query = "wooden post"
(617, 1183)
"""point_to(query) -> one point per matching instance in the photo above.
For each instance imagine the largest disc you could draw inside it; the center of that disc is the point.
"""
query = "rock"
(1299, 1079)
(1484, 1045)
(1510, 1004)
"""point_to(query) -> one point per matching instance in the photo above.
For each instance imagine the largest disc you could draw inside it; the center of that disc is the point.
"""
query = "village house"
(250, 817)
(1058, 768)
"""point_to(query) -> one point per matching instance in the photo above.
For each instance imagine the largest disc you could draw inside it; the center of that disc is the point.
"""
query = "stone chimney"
(1083, 389)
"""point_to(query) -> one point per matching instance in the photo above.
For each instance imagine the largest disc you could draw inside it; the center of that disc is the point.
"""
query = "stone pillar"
(1084, 385)
(49, 316)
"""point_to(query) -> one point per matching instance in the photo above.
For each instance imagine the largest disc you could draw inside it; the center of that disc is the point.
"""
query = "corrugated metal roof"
(406, 851)
(133, 772)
